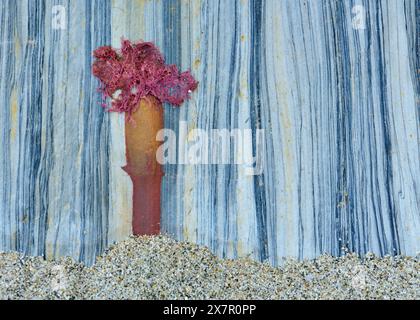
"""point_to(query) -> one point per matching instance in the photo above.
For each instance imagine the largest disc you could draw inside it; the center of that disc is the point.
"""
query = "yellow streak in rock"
(13, 114)
(286, 133)
(139, 29)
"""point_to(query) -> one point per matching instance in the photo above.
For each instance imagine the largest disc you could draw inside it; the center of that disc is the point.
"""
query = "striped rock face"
(335, 87)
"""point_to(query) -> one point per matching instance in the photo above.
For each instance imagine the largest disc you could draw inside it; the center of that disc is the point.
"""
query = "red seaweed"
(137, 70)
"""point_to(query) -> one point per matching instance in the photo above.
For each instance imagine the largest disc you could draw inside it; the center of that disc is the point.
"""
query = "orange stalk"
(142, 166)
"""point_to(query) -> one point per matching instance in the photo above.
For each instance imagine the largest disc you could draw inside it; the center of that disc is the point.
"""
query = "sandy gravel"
(162, 268)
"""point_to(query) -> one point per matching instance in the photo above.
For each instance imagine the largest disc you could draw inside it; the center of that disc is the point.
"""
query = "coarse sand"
(162, 268)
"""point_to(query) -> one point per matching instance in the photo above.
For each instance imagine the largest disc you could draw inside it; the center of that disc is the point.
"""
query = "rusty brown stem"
(142, 166)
